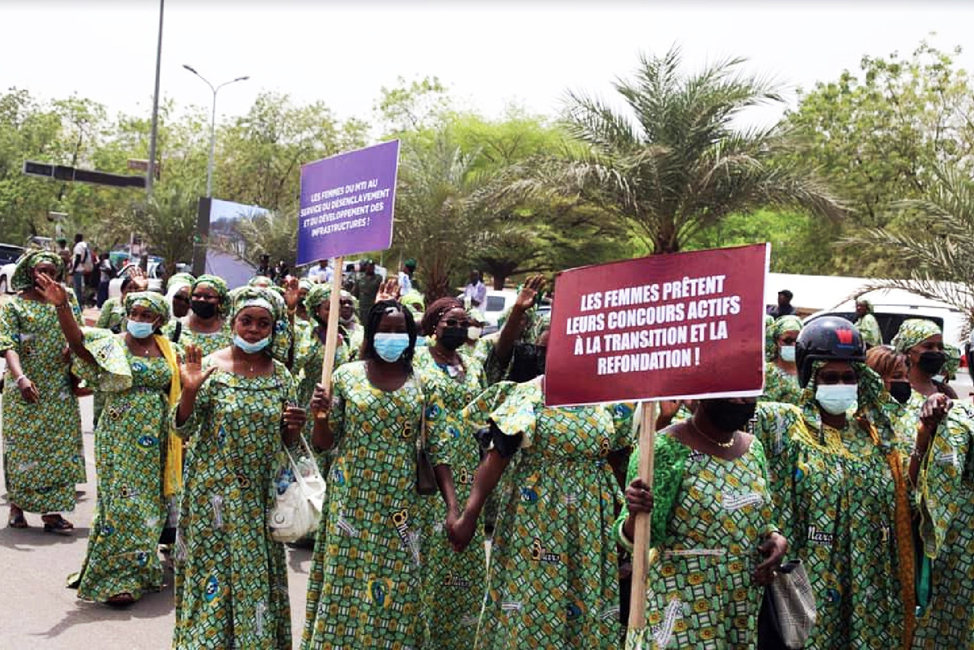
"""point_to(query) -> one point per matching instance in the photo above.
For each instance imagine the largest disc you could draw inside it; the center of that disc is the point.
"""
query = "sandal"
(17, 520)
(120, 600)
(60, 526)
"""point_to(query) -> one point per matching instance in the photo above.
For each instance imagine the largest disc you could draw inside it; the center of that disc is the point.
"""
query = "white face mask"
(837, 398)
(473, 333)
(787, 353)
(938, 378)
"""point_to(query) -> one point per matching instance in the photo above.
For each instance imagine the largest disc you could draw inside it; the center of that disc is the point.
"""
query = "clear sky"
(489, 54)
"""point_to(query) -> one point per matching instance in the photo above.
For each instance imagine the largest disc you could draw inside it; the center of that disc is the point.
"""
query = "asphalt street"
(38, 611)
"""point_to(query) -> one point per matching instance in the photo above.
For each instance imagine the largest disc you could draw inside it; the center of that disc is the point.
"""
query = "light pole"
(209, 166)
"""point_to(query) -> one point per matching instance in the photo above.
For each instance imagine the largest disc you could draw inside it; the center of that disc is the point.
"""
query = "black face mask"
(901, 391)
(453, 337)
(729, 416)
(932, 362)
(203, 309)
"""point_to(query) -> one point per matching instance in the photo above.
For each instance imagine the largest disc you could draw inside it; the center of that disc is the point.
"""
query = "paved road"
(39, 612)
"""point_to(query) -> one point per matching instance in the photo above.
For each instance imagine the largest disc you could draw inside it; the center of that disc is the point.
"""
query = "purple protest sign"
(347, 202)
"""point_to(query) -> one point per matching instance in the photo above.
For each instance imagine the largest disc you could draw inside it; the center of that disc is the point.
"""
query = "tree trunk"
(499, 281)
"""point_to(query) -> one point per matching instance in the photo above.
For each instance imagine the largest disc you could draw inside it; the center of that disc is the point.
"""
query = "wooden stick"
(641, 533)
(331, 332)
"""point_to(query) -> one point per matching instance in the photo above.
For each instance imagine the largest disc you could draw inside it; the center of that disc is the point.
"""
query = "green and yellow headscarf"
(179, 280)
(219, 285)
(914, 331)
(23, 277)
(248, 296)
(154, 302)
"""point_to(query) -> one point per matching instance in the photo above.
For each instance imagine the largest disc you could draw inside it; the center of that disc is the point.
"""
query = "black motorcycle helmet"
(829, 338)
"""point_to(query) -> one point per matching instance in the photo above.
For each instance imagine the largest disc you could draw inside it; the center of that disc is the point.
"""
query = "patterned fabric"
(553, 577)
(366, 579)
(231, 577)
(179, 280)
(250, 296)
(43, 453)
(208, 342)
(154, 302)
(952, 365)
(868, 328)
(309, 356)
(455, 578)
(913, 331)
(112, 316)
(946, 504)
(130, 445)
(23, 277)
(699, 591)
(836, 502)
(780, 386)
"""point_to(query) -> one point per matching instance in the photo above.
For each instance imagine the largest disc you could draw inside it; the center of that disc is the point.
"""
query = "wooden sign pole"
(642, 533)
(331, 332)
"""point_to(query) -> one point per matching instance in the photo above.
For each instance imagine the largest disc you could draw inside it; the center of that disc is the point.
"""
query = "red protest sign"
(662, 327)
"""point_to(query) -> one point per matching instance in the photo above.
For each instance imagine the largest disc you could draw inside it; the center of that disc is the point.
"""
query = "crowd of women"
(856, 462)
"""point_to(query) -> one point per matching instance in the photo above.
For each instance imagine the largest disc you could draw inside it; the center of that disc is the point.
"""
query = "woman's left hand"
(294, 417)
(773, 549)
(388, 290)
(52, 291)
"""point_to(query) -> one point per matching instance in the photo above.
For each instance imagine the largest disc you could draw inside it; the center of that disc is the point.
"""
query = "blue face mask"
(837, 398)
(390, 346)
(251, 348)
(140, 330)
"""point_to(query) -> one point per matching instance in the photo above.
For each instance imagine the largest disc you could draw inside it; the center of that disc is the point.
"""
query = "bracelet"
(62, 305)
(17, 380)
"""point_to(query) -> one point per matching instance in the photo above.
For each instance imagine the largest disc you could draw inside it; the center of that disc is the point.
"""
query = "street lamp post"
(209, 166)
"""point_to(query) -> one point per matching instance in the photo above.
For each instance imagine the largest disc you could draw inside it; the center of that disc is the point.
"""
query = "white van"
(893, 306)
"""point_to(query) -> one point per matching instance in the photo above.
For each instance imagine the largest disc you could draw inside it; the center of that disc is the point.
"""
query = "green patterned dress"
(699, 592)
(231, 577)
(112, 316)
(779, 386)
(43, 452)
(836, 499)
(553, 577)
(208, 342)
(130, 445)
(945, 499)
(455, 578)
(366, 579)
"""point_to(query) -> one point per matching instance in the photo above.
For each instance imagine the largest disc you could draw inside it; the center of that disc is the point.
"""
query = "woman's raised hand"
(191, 373)
(529, 292)
(388, 290)
(292, 292)
(53, 292)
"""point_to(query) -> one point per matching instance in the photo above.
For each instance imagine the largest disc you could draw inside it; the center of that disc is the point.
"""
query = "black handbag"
(426, 483)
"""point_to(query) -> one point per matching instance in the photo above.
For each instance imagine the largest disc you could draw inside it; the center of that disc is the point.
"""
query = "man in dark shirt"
(366, 288)
(784, 307)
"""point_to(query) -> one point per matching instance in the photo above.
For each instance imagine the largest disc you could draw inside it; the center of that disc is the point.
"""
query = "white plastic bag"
(299, 492)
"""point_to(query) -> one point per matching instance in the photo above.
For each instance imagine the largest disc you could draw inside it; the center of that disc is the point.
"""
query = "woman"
(455, 380)
(553, 576)
(366, 580)
(780, 372)
(511, 355)
(209, 303)
(112, 314)
(43, 453)
(712, 512)
(310, 351)
(139, 371)
(231, 577)
(348, 319)
(178, 290)
(867, 324)
(837, 479)
(938, 435)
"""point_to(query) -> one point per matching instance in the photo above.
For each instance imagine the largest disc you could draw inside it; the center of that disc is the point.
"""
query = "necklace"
(723, 445)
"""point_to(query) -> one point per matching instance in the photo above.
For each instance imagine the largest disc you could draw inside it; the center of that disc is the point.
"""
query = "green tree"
(681, 166)
(167, 222)
(879, 135)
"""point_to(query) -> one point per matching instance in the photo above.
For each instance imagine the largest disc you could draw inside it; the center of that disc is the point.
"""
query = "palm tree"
(438, 201)
(680, 165)
(168, 223)
(937, 246)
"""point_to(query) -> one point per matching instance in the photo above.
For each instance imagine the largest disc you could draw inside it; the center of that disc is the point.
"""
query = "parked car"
(9, 254)
(154, 275)
(893, 306)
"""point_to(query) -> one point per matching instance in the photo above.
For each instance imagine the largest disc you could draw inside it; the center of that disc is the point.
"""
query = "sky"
(489, 54)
